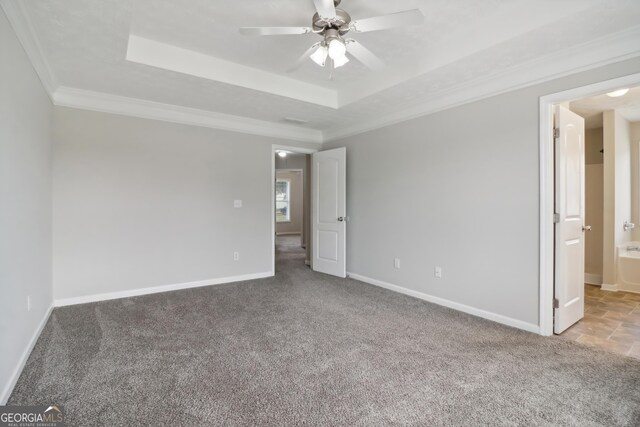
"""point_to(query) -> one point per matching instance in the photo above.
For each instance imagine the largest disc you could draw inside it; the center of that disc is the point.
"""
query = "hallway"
(289, 250)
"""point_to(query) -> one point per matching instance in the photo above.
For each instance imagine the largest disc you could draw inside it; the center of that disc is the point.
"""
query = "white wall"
(458, 189)
(623, 177)
(635, 179)
(617, 189)
(141, 203)
(25, 206)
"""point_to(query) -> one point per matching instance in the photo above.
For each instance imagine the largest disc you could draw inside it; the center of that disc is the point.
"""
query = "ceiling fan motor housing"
(340, 23)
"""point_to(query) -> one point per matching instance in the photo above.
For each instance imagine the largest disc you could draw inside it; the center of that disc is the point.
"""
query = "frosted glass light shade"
(320, 56)
(339, 62)
(337, 49)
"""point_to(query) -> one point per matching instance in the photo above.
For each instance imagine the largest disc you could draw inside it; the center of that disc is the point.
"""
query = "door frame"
(547, 190)
(274, 149)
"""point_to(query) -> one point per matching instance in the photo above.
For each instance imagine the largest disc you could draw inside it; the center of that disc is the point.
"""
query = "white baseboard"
(624, 287)
(8, 389)
(157, 289)
(530, 327)
(593, 279)
(629, 287)
(289, 233)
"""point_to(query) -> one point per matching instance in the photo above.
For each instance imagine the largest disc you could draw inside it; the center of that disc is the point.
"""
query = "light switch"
(237, 203)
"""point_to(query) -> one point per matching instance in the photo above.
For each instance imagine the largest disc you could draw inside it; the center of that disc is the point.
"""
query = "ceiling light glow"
(337, 50)
(618, 93)
(282, 154)
(339, 62)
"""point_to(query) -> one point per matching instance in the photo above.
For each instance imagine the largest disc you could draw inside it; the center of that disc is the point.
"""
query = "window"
(283, 192)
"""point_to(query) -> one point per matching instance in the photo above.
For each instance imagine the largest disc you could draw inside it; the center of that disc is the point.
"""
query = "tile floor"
(611, 320)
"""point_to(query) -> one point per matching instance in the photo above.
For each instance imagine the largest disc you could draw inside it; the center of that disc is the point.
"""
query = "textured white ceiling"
(85, 43)
(591, 108)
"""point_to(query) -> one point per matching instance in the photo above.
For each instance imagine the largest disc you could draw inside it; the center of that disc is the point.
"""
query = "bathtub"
(628, 267)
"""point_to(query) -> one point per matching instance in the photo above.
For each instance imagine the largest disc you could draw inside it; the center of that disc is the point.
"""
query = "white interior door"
(569, 230)
(329, 212)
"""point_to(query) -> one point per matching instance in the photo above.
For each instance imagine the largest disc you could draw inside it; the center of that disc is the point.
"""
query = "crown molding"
(21, 24)
(114, 104)
(604, 51)
(607, 50)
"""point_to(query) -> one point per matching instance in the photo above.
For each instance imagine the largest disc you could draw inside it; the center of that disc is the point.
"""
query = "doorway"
(292, 206)
(584, 295)
(324, 229)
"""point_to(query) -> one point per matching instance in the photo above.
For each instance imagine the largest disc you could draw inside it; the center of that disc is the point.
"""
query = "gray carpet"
(304, 348)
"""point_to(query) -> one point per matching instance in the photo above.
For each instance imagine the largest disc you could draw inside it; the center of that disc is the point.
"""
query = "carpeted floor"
(304, 348)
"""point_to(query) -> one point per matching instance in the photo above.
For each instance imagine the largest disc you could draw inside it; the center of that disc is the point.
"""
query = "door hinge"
(556, 133)
(556, 218)
(556, 303)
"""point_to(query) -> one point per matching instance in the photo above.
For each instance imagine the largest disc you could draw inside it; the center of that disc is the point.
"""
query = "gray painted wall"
(25, 203)
(141, 203)
(458, 189)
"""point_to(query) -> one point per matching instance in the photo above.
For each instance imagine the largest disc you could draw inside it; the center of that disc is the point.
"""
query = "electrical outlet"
(396, 263)
(236, 256)
(28, 302)
(437, 272)
(237, 204)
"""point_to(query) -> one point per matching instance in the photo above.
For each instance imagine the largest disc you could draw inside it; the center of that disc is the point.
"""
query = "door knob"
(586, 228)
(341, 219)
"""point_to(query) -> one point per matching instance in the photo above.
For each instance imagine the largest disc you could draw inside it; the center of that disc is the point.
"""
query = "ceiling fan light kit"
(332, 24)
(320, 55)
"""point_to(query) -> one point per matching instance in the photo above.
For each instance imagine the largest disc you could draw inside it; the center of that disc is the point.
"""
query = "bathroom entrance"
(590, 250)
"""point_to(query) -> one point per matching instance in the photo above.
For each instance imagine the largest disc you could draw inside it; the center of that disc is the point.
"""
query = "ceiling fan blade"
(303, 58)
(386, 22)
(364, 55)
(274, 31)
(325, 8)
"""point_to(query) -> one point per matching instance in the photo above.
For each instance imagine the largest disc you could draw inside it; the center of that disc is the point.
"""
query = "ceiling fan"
(333, 24)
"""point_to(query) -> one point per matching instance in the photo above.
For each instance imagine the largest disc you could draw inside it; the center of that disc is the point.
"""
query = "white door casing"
(570, 216)
(329, 212)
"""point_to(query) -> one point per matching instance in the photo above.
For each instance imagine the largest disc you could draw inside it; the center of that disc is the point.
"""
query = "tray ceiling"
(85, 45)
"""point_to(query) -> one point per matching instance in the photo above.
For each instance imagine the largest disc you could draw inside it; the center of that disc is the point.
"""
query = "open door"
(329, 212)
(570, 214)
